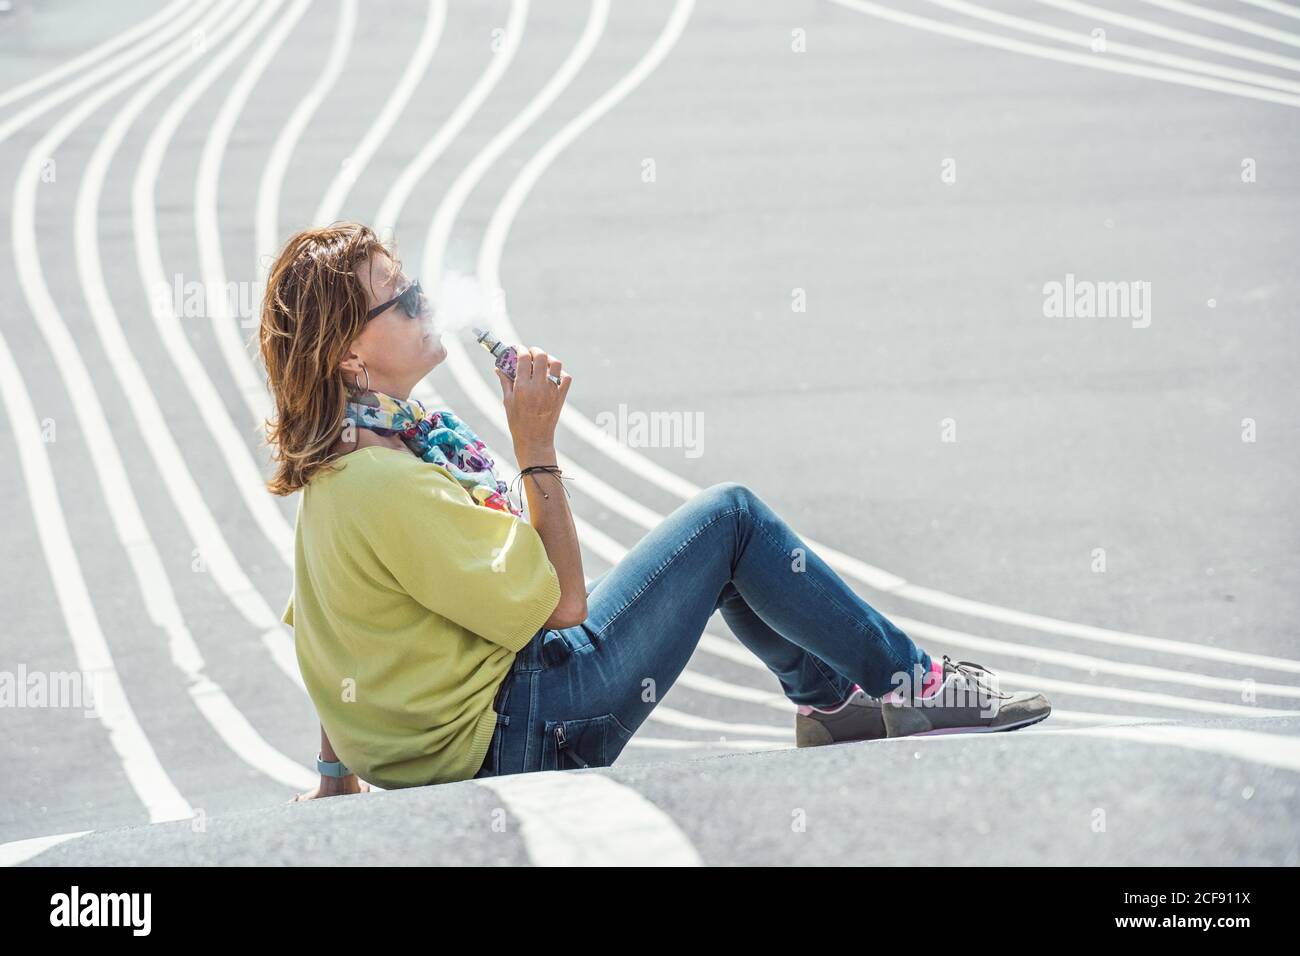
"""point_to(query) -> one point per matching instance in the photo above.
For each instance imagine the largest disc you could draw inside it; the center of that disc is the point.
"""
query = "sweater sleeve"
(484, 569)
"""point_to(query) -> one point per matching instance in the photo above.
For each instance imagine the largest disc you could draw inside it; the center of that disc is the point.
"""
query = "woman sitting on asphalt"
(443, 637)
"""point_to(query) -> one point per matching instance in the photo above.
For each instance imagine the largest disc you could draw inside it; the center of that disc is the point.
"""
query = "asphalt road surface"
(828, 236)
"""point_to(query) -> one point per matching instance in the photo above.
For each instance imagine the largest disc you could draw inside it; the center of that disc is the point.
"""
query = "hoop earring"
(358, 384)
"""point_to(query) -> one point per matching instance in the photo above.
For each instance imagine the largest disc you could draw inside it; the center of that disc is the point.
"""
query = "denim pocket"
(500, 701)
(585, 742)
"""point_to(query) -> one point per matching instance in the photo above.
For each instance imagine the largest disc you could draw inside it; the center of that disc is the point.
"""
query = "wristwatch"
(331, 768)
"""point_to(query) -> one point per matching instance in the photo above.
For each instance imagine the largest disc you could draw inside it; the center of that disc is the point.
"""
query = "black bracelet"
(550, 469)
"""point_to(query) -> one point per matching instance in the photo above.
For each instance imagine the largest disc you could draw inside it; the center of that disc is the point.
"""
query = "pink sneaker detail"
(930, 684)
(933, 680)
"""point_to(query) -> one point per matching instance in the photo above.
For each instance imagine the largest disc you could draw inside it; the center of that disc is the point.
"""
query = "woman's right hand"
(333, 787)
(533, 401)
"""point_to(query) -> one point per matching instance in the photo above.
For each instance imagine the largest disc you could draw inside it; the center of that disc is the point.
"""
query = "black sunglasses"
(411, 299)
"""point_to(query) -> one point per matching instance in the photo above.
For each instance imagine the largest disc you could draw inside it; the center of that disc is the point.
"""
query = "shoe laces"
(977, 674)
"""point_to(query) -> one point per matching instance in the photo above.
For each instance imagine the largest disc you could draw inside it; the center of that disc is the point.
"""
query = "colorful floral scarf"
(437, 436)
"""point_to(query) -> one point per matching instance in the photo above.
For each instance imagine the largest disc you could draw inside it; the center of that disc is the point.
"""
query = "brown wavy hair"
(314, 306)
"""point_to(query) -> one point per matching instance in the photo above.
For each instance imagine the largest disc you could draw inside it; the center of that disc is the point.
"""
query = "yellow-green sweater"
(410, 601)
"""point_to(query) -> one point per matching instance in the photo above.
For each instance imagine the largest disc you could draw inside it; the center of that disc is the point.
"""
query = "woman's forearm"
(554, 524)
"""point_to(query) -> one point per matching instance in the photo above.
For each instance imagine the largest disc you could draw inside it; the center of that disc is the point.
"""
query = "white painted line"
(390, 209)
(20, 851)
(1240, 24)
(140, 763)
(1275, 6)
(1091, 61)
(1114, 47)
(93, 55)
(232, 443)
(641, 742)
(583, 818)
(226, 326)
(200, 523)
(449, 208)
(1098, 14)
(146, 564)
(671, 717)
(30, 112)
(394, 101)
(1274, 750)
(1099, 635)
(225, 718)
(267, 229)
(234, 451)
(149, 780)
(144, 772)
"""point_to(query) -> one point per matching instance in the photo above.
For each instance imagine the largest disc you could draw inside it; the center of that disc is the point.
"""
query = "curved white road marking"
(93, 55)
(640, 742)
(145, 773)
(1240, 24)
(1115, 47)
(391, 207)
(1275, 6)
(683, 720)
(155, 789)
(246, 476)
(226, 325)
(1274, 750)
(454, 198)
(583, 818)
(1138, 25)
(1089, 60)
(20, 851)
(146, 564)
(25, 115)
(277, 161)
(394, 103)
(236, 454)
(224, 716)
(1086, 632)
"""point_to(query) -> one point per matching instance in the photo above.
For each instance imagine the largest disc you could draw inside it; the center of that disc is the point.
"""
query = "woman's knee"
(729, 496)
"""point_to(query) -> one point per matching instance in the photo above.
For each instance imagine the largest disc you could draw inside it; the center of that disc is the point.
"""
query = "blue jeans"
(575, 696)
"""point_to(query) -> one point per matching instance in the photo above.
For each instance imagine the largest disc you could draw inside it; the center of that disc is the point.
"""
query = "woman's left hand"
(333, 787)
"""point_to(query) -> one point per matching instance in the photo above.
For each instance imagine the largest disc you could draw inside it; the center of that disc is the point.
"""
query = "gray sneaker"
(967, 702)
(858, 718)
